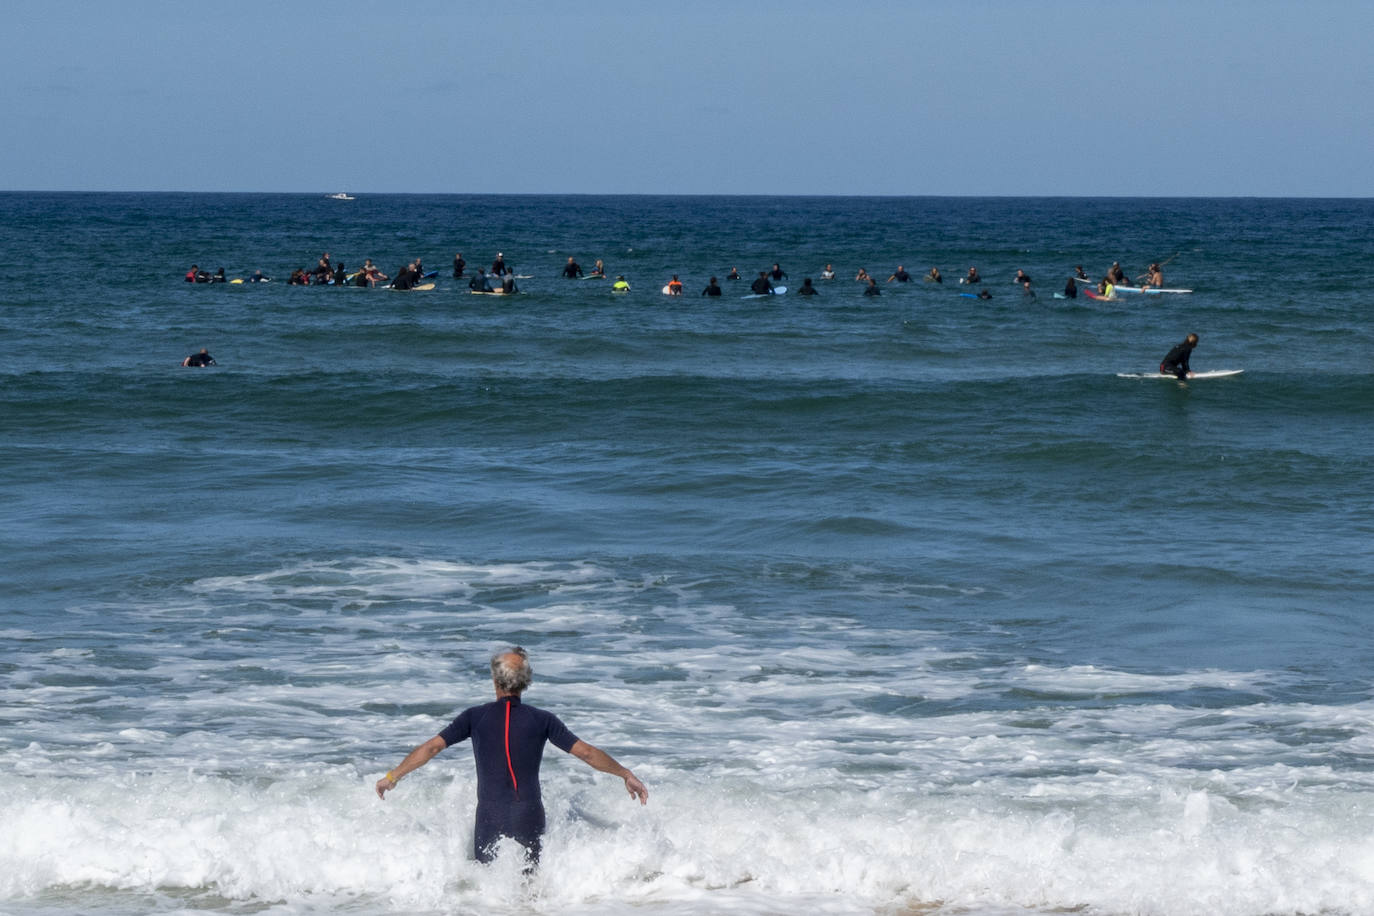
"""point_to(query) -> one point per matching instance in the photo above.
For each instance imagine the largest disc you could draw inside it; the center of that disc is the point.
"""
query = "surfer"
(674, 286)
(828, 273)
(406, 277)
(508, 740)
(1154, 277)
(807, 288)
(1021, 278)
(323, 271)
(761, 286)
(459, 265)
(340, 275)
(498, 267)
(973, 277)
(712, 288)
(900, 275)
(479, 284)
(572, 270)
(984, 294)
(258, 277)
(1071, 289)
(872, 288)
(861, 276)
(219, 277)
(199, 360)
(1079, 274)
(934, 276)
(599, 271)
(777, 274)
(1176, 360)
(733, 274)
(192, 273)
(1116, 275)
(1026, 289)
(621, 285)
(508, 284)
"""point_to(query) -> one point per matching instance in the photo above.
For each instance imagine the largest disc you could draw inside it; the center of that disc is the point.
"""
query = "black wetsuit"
(712, 289)
(807, 289)
(458, 265)
(761, 286)
(777, 275)
(508, 284)
(498, 267)
(872, 290)
(902, 276)
(1071, 290)
(200, 360)
(507, 746)
(479, 284)
(572, 271)
(405, 279)
(1176, 361)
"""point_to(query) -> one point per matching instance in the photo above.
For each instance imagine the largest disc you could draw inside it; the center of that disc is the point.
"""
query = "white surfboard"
(1149, 290)
(1214, 373)
(777, 291)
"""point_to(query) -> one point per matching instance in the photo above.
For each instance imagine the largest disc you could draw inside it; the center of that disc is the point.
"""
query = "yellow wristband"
(394, 780)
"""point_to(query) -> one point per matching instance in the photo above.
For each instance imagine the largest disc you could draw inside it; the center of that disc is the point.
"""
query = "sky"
(864, 97)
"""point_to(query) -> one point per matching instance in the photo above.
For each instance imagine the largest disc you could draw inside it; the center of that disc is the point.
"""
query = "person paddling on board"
(1176, 360)
(761, 286)
(1079, 274)
(508, 739)
(199, 360)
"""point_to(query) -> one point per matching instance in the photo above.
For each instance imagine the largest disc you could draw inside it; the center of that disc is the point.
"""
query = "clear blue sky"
(1211, 97)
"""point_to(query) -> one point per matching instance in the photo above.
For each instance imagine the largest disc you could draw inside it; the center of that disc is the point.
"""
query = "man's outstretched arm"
(598, 759)
(414, 760)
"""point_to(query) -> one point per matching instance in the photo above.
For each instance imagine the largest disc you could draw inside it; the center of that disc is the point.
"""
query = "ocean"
(906, 604)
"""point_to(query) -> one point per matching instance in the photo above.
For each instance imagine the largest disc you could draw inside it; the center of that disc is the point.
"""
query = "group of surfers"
(501, 278)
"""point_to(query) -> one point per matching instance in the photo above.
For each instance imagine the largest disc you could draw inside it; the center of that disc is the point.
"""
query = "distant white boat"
(340, 196)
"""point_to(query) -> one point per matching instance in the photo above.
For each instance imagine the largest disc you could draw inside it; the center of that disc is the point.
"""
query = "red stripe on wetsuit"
(509, 765)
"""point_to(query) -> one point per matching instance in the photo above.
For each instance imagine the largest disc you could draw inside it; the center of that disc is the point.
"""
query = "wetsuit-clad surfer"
(458, 265)
(572, 270)
(508, 739)
(199, 360)
(498, 267)
(777, 274)
(761, 286)
(1176, 360)
(479, 284)
(712, 288)
(807, 288)
(900, 275)
(1071, 289)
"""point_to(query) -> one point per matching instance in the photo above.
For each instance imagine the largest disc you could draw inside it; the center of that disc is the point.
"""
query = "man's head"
(511, 671)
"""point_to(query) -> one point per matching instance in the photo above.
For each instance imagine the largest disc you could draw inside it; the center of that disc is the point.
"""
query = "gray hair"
(509, 675)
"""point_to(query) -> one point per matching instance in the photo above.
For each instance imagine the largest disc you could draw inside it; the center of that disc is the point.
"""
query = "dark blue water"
(920, 517)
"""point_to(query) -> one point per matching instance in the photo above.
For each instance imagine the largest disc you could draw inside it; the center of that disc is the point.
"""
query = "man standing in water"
(507, 746)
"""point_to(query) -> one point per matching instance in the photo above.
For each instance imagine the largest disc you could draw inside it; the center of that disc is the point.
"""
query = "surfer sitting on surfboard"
(761, 286)
(1176, 361)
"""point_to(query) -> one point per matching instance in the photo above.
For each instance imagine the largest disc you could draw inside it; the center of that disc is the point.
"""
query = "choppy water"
(897, 604)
